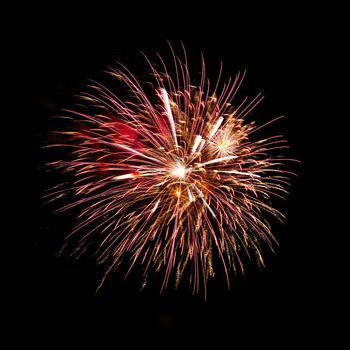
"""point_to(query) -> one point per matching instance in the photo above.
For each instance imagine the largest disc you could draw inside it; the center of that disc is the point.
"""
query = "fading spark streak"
(215, 127)
(123, 177)
(169, 113)
(238, 172)
(218, 160)
(196, 143)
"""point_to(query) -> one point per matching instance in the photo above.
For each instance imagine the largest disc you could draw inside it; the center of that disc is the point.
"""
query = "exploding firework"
(170, 174)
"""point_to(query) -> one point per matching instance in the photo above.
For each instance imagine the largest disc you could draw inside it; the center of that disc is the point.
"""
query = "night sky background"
(52, 299)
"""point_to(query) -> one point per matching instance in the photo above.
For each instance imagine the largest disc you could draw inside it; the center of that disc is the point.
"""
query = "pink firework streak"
(171, 176)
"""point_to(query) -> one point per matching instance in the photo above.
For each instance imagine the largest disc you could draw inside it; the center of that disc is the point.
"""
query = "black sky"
(54, 53)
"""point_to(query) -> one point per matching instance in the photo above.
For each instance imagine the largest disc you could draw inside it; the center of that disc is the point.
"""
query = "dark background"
(292, 301)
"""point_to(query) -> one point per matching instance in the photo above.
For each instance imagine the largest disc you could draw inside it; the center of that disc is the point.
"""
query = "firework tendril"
(170, 174)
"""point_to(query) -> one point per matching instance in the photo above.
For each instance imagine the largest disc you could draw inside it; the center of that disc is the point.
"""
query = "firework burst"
(172, 176)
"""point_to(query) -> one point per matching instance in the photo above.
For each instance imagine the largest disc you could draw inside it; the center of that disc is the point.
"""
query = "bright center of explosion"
(179, 171)
(223, 146)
